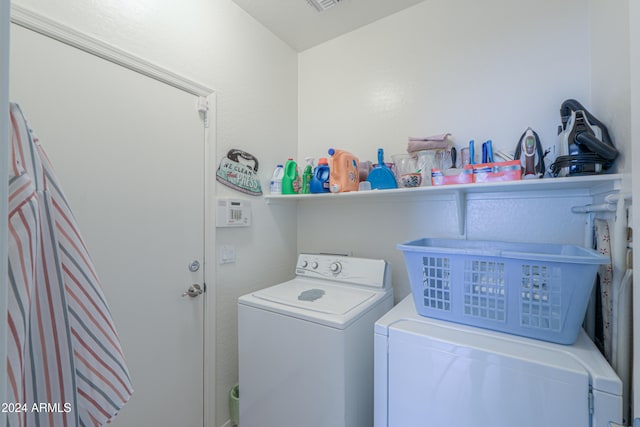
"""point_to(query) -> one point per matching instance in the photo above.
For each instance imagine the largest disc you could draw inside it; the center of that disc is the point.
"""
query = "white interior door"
(129, 152)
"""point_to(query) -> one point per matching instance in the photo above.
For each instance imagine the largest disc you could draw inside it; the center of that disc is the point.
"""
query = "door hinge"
(591, 403)
(203, 109)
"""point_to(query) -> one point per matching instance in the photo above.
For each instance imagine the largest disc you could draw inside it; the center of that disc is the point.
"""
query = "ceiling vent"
(322, 5)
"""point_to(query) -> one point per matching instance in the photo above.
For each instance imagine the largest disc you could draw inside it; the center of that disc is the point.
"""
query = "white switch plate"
(227, 254)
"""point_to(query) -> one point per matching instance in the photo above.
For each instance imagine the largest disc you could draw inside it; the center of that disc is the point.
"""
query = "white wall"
(610, 73)
(634, 30)
(254, 75)
(477, 69)
(4, 172)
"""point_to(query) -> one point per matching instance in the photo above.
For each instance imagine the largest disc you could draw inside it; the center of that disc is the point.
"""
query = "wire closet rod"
(614, 197)
(610, 204)
(602, 207)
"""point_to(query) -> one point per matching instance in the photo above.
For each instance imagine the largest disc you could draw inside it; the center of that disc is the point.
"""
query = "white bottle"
(275, 186)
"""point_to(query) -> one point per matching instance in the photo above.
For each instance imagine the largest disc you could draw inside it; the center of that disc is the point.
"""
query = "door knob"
(193, 291)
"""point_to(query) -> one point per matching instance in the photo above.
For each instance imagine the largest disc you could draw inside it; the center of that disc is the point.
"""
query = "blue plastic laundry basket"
(539, 291)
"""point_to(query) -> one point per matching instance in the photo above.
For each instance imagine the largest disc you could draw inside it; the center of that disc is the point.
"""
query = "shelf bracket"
(461, 205)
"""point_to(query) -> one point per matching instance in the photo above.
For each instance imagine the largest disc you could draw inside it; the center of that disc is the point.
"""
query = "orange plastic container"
(343, 171)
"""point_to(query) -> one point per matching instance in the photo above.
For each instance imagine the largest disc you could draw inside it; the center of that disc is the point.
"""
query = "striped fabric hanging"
(65, 365)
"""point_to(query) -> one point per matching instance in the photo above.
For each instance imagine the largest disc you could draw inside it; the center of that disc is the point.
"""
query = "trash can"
(234, 404)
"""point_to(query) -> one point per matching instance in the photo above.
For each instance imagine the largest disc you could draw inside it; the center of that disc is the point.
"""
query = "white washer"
(306, 346)
(430, 372)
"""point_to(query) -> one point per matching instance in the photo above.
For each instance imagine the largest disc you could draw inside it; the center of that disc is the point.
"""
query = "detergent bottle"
(344, 175)
(275, 186)
(291, 178)
(320, 179)
(307, 175)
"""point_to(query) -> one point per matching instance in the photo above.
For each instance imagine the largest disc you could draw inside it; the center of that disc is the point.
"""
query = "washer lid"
(318, 296)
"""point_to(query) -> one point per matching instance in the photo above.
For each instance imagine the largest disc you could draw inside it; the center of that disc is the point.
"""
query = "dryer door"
(444, 376)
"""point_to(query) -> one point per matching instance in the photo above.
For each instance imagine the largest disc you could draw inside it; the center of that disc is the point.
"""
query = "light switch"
(227, 254)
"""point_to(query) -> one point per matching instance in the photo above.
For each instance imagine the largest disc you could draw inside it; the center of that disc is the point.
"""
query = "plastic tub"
(539, 291)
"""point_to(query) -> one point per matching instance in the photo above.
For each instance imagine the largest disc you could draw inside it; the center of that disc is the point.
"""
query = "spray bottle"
(307, 175)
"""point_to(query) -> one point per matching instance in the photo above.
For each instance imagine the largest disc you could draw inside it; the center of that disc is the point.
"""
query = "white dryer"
(430, 372)
(306, 346)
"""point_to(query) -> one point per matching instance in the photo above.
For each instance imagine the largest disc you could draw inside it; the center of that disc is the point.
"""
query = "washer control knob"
(335, 267)
(304, 263)
(314, 264)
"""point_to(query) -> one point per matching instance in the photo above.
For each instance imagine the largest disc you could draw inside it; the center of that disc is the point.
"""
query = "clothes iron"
(529, 152)
(585, 147)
